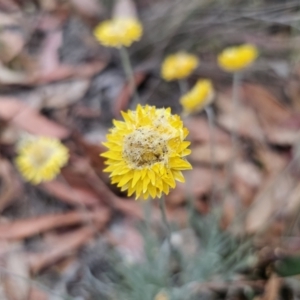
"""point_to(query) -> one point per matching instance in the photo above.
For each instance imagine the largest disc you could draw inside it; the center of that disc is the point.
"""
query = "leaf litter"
(57, 81)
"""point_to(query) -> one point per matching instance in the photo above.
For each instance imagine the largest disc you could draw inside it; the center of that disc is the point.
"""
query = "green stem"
(183, 86)
(210, 117)
(162, 206)
(129, 74)
(234, 135)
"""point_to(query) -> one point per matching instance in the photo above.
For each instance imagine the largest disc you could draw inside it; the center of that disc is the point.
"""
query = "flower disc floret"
(118, 32)
(41, 158)
(146, 152)
(178, 66)
(237, 58)
(198, 97)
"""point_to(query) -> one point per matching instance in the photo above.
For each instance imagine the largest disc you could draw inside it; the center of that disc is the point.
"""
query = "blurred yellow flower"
(236, 58)
(162, 295)
(198, 97)
(178, 66)
(146, 151)
(41, 158)
(119, 32)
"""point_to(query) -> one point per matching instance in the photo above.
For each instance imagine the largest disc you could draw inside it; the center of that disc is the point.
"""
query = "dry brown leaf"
(25, 228)
(11, 44)
(128, 207)
(92, 151)
(270, 199)
(244, 121)
(126, 93)
(37, 294)
(58, 95)
(71, 194)
(49, 57)
(11, 77)
(231, 206)
(293, 202)
(273, 116)
(199, 131)
(10, 185)
(9, 19)
(88, 8)
(17, 275)
(247, 180)
(61, 246)
(22, 116)
(128, 241)
(124, 9)
(198, 183)
(62, 72)
(271, 161)
(248, 173)
(272, 288)
(202, 154)
(265, 104)
(280, 134)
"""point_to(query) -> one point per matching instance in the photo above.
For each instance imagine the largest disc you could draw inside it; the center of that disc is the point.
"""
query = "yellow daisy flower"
(41, 158)
(118, 32)
(162, 295)
(236, 58)
(198, 97)
(178, 66)
(146, 151)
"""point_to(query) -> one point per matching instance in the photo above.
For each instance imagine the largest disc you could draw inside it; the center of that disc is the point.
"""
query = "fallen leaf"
(126, 93)
(9, 19)
(11, 77)
(199, 131)
(244, 122)
(11, 44)
(88, 8)
(37, 294)
(128, 241)
(193, 187)
(203, 154)
(271, 161)
(70, 193)
(17, 275)
(23, 116)
(49, 56)
(21, 229)
(280, 134)
(62, 72)
(272, 288)
(62, 246)
(59, 95)
(10, 185)
(247, 179)
(269, 200)
(124, 9)
(265, 104)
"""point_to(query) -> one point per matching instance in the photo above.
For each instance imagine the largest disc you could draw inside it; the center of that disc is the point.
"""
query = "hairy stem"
(162, 206)
(210, 117)
(234, 129)
(183, 86)
(129, 74)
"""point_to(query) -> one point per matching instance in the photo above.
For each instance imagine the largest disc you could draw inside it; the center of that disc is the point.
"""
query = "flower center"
(144, 147)
(40, 155)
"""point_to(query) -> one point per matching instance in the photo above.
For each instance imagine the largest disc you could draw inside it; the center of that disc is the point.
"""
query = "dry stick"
(81, 207)
(210, 117)
(129, 74)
